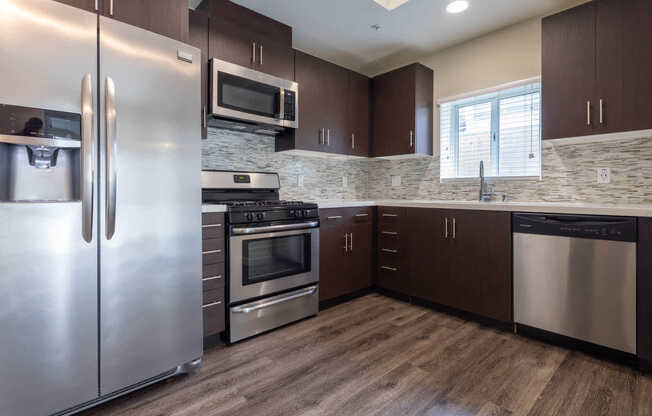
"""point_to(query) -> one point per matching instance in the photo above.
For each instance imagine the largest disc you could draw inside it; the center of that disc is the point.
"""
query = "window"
(501, 128)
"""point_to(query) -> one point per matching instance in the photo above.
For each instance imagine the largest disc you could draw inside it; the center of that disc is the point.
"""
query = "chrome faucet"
(485, 193)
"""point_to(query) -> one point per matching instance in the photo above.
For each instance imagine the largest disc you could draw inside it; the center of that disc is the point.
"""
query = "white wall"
(509, 54)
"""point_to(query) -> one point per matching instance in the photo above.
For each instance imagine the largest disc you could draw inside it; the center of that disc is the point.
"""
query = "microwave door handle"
(281, 104)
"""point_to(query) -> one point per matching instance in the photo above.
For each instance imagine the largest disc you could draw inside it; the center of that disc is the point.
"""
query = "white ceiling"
(340, 30)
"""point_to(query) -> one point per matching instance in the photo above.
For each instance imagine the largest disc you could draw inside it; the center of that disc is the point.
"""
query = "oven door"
(263, 263)
(243, 94)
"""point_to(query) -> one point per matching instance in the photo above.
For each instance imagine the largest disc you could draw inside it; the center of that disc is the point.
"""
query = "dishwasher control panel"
(579, 226)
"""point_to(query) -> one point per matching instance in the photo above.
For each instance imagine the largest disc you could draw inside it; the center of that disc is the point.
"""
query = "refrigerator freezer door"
(48, 272)
(150, 302)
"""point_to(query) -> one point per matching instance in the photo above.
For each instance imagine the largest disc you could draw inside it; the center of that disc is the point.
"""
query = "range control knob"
(306, 212)
(249, 216)
(292, 213)
(260, 215)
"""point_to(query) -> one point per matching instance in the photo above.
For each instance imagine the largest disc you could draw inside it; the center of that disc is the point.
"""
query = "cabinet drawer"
(212, 270)
(212, 218)
(213, 244)
(213, 256)
(389, 260)
(389, 215)
(213, 295)
(213, 282)
(214, 321)
(212, 231)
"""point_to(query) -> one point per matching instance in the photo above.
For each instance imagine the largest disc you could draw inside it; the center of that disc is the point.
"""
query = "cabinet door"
(393, 112)
(361, 256)
(333, 268)
(429, 255)
(644, 291)
(230, 43)
(624, 64)
(275, 59)
(165, 17)
(359, 113)
(90, 5)
(482, 263)
(198, 37)
(568, 74)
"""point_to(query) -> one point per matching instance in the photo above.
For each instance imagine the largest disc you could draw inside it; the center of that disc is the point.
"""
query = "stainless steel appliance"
(576, 276)
(273, 252)
(99, 199)
(246, 100)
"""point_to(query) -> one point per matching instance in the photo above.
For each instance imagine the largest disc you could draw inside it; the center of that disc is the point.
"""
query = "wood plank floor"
(379, 356)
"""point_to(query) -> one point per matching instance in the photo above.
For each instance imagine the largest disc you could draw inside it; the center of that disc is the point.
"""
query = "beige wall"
(507, 55)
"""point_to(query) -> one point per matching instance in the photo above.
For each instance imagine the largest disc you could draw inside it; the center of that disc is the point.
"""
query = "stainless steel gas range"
(272, 252)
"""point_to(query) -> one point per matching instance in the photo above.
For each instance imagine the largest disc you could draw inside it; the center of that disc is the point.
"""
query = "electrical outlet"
(345, 181)
(396, 180)
(300, 181)
(604, 175)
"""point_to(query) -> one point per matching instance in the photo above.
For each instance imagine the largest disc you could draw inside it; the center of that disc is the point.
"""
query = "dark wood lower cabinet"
(213, 273)
(345, 249)
(391, 265)
(644, 292)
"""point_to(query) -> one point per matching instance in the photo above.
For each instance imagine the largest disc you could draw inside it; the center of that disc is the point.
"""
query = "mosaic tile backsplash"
(568, 173)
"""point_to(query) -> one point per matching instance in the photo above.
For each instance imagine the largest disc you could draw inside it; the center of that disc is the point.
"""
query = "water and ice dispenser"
(39, 155)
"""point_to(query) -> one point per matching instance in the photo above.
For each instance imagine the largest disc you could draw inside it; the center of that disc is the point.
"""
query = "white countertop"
(546, 207)
(212, 208)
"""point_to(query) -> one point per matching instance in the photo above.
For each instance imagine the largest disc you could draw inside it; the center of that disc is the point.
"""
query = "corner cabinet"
(333, 109)
(403, 112)
(596, 62)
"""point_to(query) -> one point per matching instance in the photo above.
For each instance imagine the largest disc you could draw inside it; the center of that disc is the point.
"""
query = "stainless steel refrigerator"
(100, 201)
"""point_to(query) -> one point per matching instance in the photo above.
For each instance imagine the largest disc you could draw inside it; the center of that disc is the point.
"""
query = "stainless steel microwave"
(244, 99)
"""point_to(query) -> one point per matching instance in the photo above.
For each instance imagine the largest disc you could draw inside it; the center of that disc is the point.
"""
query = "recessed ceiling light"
(391, 4)
(457, 6)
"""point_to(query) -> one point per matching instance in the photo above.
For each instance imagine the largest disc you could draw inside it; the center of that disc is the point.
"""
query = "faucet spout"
(485, 194)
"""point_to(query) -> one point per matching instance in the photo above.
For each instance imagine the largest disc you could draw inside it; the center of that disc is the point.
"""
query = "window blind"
(501, 128)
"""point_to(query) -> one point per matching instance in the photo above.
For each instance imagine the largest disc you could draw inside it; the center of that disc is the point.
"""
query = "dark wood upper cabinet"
(165, 17)
(244, 37)
(89, 5)
(596, 62)
(403, 111)
(199, 26)
(359, 106)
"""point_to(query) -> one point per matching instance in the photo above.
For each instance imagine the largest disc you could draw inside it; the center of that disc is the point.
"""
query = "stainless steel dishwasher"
(576, 276)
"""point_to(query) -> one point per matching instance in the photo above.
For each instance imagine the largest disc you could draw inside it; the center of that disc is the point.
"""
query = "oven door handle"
(271, 228)
(247, 309)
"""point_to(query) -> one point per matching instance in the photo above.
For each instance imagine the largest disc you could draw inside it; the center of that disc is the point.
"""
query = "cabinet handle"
(96, 6)
(111, 8)
(328, 137)
(211, 226)
(588, 113)
(386, 250)
(212, 304)
(204, 120)
(212, 278)
(361, 215)
(601, 112)
(389, 233)
(391, 269)
(445, 228)
(253, 52)
(411, 139)
(351, 242)
(353, 141)
(346, 242)
(260, 51)
(390, 215)
(322, 135)
(334, 217)
(454, 228)
(211, 252)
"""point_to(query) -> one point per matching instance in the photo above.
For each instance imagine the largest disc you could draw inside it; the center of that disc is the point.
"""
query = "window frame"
(495, 131)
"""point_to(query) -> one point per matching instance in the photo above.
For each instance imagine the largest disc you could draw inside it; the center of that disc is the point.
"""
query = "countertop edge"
(550, 208)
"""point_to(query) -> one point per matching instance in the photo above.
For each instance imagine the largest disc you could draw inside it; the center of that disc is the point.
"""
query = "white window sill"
(492, 179)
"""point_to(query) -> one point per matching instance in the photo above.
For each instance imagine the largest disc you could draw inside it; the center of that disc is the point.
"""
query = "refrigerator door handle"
(87, 158)
(111, 150)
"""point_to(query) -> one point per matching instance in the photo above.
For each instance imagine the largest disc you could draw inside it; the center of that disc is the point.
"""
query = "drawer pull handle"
(386, 250)
(212, 278)
(211, 252)
(361, 215)
(389, 233)
(211, 226)
(391, 269)
(247, 309)
(335, 217)
(212, 304)
(390, 215)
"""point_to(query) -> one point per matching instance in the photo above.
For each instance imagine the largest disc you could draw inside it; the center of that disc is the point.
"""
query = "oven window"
(273, 258)
(249, 96)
